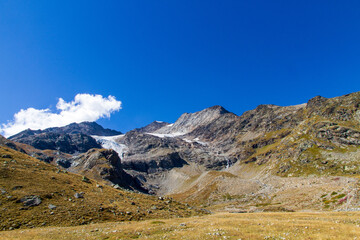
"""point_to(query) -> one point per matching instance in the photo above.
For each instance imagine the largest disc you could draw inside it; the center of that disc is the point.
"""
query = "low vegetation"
(301, 225)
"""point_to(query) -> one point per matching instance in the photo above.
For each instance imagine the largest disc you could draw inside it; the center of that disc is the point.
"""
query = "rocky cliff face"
(104, 164)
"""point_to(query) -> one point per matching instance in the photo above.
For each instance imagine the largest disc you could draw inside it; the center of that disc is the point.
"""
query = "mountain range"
(271, 158)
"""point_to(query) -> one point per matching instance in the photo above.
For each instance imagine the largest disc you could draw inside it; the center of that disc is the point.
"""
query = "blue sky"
(163, 58)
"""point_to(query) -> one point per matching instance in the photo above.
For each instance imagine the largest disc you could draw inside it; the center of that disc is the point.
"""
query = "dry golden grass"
(304, 225)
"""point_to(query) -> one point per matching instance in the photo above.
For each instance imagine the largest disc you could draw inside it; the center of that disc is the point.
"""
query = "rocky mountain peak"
(152, 127)
(190, 121)
(262, 108)
(316, 102)
(218, 108)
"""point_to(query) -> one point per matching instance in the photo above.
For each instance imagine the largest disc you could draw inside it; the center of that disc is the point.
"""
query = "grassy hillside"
(34, 193)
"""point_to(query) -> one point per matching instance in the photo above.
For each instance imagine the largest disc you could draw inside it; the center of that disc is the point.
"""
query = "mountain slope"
(190, 121)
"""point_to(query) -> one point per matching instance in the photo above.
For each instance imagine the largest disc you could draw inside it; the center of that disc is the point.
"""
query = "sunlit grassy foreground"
(324, 225)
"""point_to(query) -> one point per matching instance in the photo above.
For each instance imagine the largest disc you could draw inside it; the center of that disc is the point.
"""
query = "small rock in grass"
(85, 179)
(79, 195)
(2, 191)
(51, 206)
(31, 201)
(17, 187)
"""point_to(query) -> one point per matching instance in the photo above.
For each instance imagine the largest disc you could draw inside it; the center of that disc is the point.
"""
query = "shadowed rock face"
(104, 164)
(149, 164)
(7, 143)
(49, 156)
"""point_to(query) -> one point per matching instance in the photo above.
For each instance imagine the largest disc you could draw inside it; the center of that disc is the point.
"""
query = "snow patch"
(109, 142)
(162, 135)
(200, 142)
(195, 140)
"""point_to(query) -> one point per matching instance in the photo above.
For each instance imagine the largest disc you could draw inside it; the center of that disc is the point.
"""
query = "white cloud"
(85, 107)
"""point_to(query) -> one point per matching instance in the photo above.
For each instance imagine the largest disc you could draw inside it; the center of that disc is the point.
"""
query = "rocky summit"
(271, 158)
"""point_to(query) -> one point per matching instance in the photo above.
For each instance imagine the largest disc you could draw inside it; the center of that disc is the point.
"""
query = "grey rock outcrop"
(31, 201)
(104, 164)
(152, 127)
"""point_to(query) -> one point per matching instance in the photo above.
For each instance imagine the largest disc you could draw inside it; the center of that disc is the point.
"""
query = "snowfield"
(109, 142)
